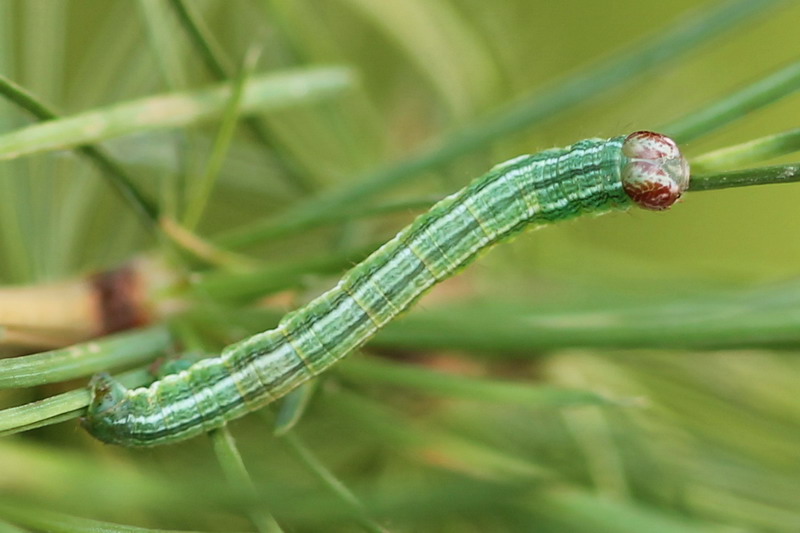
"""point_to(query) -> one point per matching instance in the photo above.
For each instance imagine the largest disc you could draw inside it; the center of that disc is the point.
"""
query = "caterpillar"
(591, 176)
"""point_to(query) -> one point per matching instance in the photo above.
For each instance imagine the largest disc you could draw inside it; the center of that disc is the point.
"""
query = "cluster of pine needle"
(176, 175)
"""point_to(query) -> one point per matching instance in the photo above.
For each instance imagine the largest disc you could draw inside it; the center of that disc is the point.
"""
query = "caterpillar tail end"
(107, 395)
(655, 174)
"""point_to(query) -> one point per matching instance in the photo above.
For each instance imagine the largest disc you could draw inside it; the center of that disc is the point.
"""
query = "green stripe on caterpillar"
(591, 176)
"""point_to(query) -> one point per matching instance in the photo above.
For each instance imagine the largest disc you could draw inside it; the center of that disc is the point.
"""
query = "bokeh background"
(703, 441)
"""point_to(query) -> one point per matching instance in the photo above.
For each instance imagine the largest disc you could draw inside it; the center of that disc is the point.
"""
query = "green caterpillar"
(591, 176)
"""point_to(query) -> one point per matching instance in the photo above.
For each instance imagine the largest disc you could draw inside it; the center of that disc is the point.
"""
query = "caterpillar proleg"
(589, 177)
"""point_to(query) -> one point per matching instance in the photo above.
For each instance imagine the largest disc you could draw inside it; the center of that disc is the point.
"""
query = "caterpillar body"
(590, 176)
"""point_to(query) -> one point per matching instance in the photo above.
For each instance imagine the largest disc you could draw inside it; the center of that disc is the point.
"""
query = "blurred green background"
(705, 441)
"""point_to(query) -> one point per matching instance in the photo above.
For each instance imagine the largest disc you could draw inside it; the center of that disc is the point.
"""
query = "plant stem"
(119, 178)
(766, 317)
(749, 152)
(42, 519)
(61, 406)
(231, 462)
(205, 185)
(763, 92)
(684, 36)
(331, 482)
(265, 92)
(209, 50)
(220, 66)
(480, 389)
(128, 348)
(745, 178)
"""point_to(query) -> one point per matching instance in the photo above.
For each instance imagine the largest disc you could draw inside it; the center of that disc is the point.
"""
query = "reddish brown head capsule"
(656, 174)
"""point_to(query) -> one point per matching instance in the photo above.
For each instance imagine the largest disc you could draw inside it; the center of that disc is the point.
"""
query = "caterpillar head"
(655, 174)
